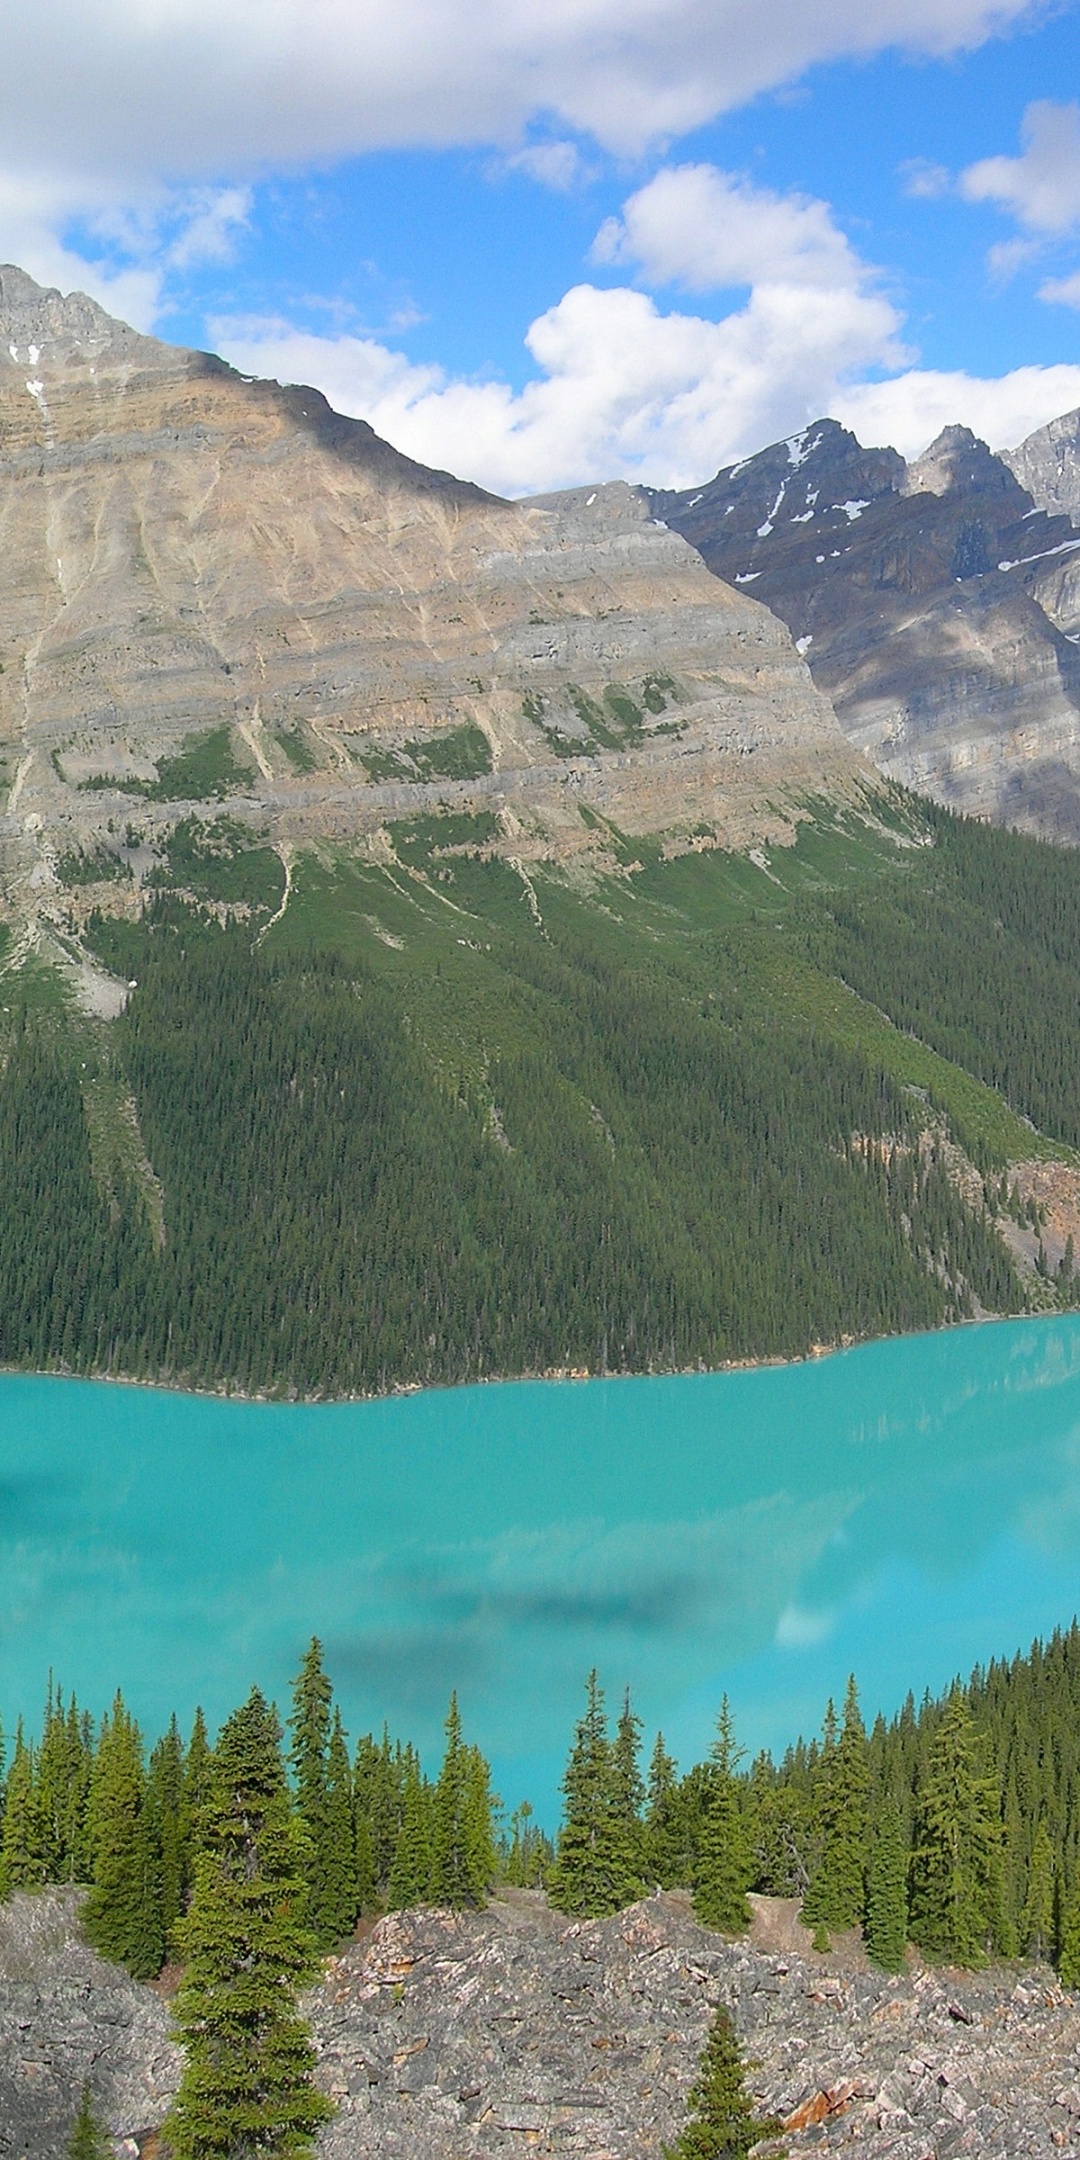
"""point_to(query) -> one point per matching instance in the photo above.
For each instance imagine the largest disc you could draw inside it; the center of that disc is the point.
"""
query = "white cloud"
(137, 90)
(1041, 188)
(557, 165)
(697, 227)
(912, 408)
(211, 226)
(1065, 291)
(925, 180)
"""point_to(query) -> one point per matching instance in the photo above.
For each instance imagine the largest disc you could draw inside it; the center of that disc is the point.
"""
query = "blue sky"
(550, 241)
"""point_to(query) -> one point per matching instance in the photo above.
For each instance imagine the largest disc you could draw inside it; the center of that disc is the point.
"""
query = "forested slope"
(441, 1117)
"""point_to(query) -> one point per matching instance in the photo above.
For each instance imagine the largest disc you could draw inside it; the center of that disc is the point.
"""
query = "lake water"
(903, 1509)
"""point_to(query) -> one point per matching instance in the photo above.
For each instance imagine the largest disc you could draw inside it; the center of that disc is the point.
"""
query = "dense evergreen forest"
(955, 1825)
(430, 1125)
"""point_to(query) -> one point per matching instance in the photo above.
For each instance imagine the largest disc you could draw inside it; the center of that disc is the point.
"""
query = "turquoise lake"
(904, 1510)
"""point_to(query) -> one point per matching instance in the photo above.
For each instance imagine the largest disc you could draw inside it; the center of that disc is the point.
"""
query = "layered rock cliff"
(935, 603)
(187, 552)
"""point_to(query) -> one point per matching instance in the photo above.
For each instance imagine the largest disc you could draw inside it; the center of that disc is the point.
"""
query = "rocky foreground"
(513, 2031)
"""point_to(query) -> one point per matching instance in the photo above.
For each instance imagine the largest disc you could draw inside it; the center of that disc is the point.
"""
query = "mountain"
(937, 604)
(218, 587)
(442, 937)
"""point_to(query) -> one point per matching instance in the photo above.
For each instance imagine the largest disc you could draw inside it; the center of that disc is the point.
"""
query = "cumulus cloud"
(132, 90)
(1041, 188)
(912, 408)
(703, 229)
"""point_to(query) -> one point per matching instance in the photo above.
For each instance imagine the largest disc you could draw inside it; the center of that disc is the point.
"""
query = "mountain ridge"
(937, 604)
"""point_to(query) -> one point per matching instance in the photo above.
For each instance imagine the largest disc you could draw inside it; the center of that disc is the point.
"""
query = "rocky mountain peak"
(957, 459)
(42, 328)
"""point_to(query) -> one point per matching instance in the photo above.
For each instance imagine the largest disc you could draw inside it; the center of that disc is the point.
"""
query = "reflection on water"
(904, 1509)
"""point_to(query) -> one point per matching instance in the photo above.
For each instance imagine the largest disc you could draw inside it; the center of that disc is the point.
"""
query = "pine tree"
(628, 1789)
(336, 1902)
(89, 2139)
(663, 1827)
(21, 1862)
(836, 1895)
(309, 1725)
(164, 1811)
(246, 2086)
(886, 1897)
(1069, 1956)
(122, 1916)
(378, 1800)
(722, 1865)
(1038, 1921)
(723, 2124)
(194, 1798)
(448, 1871)
(411, 1872)
(61, 1786)
(592, 1873)
(478, 1835)
(957, 1840)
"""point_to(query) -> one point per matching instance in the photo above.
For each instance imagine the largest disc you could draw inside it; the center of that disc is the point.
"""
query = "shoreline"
(554, 1375)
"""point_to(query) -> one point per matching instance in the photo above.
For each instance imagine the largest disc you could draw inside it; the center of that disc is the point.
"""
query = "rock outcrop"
(1047, 464)
(513, 2031)
(187, 551)
(68, 2020)
(936, 603)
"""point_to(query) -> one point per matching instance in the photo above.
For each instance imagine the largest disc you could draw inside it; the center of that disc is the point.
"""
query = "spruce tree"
(246, 2086)
(89, 2139)
(309, 1725)
(411, 1871)
(1038, 1921)
(886, 1897)
(1069, 1955)
(21, 1862)
(122, 1916)
(378, 1798)
(957, 1840)
(663, 1827)
(61, 1785)
(593, 1871)
(723, 2123)
(449, 1884)
(722, 1864)
(836, 1896)
(478, 1835)
(336, 1901)
(164, 1810)
(194, 1797)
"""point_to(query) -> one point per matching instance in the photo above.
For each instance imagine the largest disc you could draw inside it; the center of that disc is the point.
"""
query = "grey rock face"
(448, 2037)
(1047, 464)
(936, 604)
(441, 2037)
(68, 2020)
